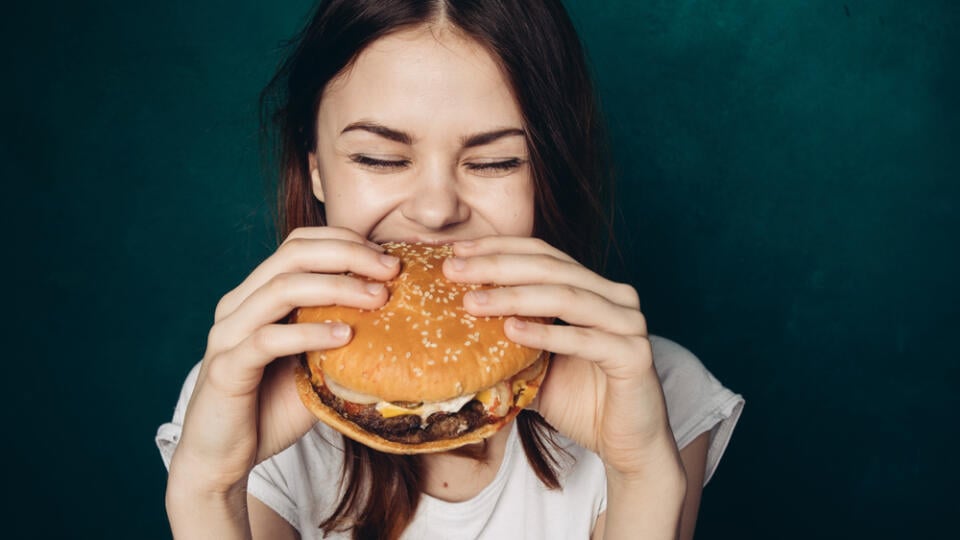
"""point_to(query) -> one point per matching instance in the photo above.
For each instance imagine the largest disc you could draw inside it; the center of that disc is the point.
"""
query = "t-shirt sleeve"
(306, 471)
(696, 401)
(168, 434)
(268, 483)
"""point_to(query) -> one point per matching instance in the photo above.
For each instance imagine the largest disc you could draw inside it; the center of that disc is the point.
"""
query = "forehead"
(424, 79)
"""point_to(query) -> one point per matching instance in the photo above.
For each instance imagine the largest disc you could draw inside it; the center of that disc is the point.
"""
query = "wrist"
(196, 510)
(191, 473)
(669, 481)
(658, 460)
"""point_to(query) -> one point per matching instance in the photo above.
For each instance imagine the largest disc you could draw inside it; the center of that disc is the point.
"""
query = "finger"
(527, 269)
(332, 233)
(507, 244)
(239, 370)
(575, 306)
(614, 354)
(324, 255)
(277, 298)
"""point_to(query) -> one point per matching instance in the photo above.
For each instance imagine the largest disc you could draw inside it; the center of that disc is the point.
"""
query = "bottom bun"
(332, 418)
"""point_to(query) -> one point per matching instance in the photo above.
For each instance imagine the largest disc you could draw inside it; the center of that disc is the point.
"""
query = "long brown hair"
(539, 51)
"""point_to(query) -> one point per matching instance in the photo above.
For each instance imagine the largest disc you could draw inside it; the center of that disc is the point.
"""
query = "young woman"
(470, 122)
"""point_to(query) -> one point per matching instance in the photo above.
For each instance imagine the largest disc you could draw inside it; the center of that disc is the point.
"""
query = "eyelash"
(380, 164)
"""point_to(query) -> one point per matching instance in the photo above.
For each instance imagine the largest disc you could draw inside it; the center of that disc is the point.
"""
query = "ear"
(315, 176)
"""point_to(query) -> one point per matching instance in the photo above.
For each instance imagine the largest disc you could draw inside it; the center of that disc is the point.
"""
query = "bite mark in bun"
(420, 374)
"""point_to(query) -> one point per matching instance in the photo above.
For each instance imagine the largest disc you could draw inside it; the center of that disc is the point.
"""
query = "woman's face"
(422, 140)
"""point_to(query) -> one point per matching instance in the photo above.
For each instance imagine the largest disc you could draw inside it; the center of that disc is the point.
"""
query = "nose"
(435, 202)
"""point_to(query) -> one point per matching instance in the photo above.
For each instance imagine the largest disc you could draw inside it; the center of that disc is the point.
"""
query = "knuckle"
(219, 339)
(547, 268)
(262, 339)
(224, 307)
(356, 254)
(217, 367)
(280, 283)
(641, 323)
(567, 294)
(628, 295)
(293, 245)
(214, 337)
(541, 245)
(300, 233)
(582, 334)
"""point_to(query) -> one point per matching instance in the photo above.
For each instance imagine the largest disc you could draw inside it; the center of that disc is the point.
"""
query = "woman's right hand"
(245, 407)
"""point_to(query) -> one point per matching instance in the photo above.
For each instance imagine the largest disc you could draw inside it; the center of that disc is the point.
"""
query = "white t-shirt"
(302, 483)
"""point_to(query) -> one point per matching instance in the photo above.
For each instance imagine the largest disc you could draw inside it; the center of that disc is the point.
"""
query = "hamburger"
(420, 374)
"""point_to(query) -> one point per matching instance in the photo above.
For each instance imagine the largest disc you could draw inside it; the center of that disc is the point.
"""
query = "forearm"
(645, 507)
(195, 512)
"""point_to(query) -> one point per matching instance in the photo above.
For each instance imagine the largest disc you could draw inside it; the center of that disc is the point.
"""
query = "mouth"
(421, 240)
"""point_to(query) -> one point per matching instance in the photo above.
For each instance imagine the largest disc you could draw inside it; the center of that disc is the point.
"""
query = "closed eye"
(379, 164)
(496, 166)
(484, 168)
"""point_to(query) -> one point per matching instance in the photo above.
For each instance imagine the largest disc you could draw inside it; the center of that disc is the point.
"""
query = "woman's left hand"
(601, 390)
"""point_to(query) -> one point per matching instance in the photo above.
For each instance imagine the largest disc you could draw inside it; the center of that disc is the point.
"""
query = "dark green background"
(789, 202)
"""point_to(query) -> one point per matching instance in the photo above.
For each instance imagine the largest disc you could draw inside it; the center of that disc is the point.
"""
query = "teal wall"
(789, 213)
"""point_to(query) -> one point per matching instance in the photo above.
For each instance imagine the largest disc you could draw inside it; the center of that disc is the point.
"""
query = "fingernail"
(519, 325)
(375, 246)
(388, 260)
(458, 263)
(480, 297)
(374, 288)
(340, 331)
(464, 243)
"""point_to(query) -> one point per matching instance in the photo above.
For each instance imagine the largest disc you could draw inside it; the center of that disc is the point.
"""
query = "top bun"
(422, 345)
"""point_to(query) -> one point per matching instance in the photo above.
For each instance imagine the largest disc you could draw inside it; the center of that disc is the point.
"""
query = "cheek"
(352, 200)
(511, 209)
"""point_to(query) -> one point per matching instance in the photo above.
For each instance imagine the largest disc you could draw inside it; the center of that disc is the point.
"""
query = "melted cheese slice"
(389, 410)
(497, 399)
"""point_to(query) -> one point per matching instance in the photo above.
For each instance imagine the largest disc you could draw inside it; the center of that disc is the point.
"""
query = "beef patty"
(406, 428)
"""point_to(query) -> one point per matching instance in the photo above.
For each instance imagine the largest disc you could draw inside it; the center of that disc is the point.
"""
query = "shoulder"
(678, 368)
(696, 401)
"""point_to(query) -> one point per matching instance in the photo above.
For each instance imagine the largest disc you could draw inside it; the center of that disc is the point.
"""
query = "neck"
(457, 477)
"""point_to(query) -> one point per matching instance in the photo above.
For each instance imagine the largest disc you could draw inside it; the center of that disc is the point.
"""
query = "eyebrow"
(381, 130)
(469, 141)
